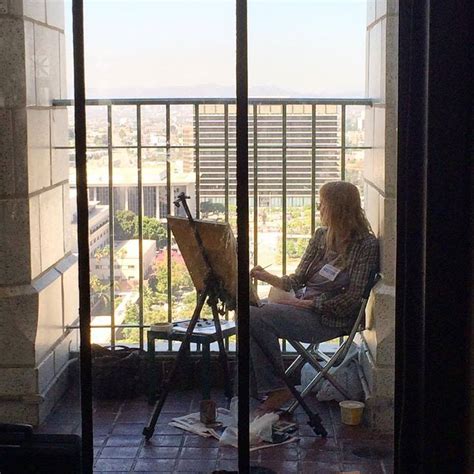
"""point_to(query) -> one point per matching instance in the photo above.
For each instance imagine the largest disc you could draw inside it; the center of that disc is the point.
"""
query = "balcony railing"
(142, 152)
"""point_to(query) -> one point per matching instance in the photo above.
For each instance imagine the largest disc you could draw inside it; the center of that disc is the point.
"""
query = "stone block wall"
(380, 177)
(38, 273)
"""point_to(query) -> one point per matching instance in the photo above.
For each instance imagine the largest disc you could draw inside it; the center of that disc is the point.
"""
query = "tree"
(154, 230)
(209, 207)
(100, 292)
(126, 225)
(102, 252)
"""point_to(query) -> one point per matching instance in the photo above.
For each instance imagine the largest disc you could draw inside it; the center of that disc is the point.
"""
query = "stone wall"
(38, 273)
(380, 177)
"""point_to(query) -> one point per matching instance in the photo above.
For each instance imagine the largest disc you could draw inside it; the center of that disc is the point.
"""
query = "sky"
(186, 48)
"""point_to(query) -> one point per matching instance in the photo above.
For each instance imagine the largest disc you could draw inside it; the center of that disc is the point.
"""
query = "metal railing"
(294, 130)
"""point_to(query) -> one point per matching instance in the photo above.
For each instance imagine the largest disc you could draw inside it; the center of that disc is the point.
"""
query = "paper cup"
(351, 412)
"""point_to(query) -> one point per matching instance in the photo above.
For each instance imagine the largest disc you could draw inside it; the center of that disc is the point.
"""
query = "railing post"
(226, 161)
(140, 225)
(197, 161)
(168, 212)
(111, 225)
(313, 169)
(255, 184)
(343, 142)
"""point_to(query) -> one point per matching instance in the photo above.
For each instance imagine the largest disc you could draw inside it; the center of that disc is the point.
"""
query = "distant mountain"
(210, 90)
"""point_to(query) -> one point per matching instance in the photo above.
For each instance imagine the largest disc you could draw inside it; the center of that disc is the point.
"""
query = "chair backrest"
(359, 323)
(374, 277)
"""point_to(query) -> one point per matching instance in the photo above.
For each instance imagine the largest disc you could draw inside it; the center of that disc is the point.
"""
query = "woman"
(328, 284)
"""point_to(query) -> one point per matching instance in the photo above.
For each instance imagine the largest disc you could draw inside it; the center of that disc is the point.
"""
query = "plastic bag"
(260, 429)
(345, 373)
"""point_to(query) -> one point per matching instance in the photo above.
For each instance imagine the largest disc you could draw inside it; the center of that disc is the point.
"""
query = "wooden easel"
(213, 292)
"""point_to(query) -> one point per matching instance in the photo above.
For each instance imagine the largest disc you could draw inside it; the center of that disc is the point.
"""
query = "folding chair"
(320, 361)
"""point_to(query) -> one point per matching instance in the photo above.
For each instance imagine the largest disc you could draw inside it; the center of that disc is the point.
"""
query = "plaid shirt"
(338, 310)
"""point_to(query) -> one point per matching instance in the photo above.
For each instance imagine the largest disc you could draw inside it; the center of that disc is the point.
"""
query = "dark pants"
(272, 322)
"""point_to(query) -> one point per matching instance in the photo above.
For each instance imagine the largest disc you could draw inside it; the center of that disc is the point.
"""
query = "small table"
(204, 334)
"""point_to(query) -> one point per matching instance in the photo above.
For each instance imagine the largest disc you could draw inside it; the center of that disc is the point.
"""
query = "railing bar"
(168, 212)
(140, 225)
(218, 147)
(196, 143)
(284, 203)
(343, 143)
(218, 100)
(111, 225)
(313, 169)
(255, 185)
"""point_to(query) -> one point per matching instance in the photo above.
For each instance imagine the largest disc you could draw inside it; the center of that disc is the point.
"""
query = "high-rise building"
(279, 144)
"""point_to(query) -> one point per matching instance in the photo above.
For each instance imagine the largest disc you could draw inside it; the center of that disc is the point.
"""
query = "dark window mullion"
(242, 234)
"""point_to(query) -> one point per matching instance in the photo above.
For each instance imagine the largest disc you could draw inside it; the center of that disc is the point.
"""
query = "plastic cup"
(351, 412)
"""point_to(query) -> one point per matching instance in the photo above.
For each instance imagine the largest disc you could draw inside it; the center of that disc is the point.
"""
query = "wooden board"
(221, 247)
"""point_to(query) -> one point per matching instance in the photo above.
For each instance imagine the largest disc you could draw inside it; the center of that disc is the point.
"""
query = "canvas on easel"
(221, 248)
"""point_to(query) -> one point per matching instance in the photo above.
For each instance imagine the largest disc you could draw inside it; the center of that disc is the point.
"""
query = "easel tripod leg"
(314, 418)
(222, 353)
(149, 430)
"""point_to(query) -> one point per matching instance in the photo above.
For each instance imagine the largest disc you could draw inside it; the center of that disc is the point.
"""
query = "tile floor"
(120, 447)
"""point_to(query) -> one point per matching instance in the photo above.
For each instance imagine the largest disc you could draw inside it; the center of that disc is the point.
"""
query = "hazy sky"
(187, 47)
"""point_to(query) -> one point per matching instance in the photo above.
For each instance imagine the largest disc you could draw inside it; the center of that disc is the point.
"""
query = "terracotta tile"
(123, 440)
(111, 472)
(383, 451)
(108, 465)
(155, 465)
(102, 430)
(310, 467)
(142, 409)
(195, 441)
(282, 453)
(364, 468)
(165, 440)
(128, 429)
(196, 465)
(99, 440)
(227, 465)
(163, 429)
(283, 467)
(176, 407)
(199, 453)
(133, 417)
(119, 452)
(317, 443)
(104, 417)
(320, 456)
(227, 452)
(159, 453)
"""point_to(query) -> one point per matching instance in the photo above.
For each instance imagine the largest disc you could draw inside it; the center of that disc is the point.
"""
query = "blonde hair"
(344, 216)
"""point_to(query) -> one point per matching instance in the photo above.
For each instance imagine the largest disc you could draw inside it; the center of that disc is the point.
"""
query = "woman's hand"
(260, 274)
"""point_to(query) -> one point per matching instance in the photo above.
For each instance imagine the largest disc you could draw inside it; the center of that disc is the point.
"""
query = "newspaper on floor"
(223, 430)
(193, 423)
